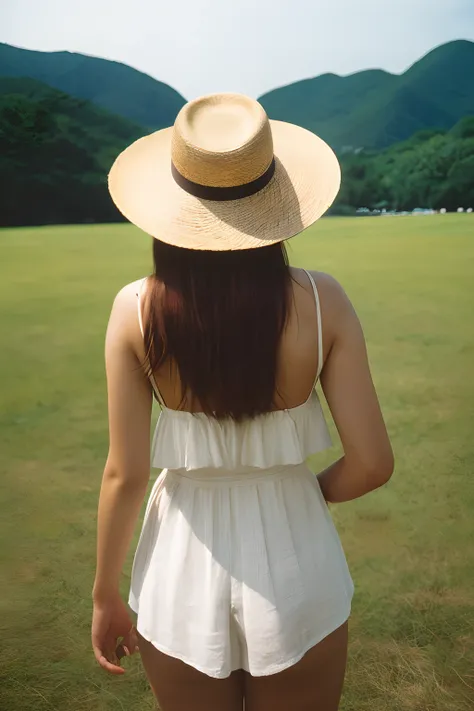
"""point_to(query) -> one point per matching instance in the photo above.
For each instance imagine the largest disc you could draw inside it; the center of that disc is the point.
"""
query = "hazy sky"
(251, 46)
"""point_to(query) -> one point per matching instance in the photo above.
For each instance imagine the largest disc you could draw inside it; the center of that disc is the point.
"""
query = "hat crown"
(222, 140)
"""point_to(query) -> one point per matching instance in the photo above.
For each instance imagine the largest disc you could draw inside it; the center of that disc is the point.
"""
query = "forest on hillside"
(55, 154)
(433, 169)
(56, 150)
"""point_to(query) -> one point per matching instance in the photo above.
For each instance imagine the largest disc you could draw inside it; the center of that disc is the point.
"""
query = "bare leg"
(179, 687)
(312, 684)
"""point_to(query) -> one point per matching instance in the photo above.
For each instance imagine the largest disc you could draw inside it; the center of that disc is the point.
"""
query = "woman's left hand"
(113, 634)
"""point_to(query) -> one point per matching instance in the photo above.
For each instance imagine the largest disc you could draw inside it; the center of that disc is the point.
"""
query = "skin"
(313, 683)
(316, 681)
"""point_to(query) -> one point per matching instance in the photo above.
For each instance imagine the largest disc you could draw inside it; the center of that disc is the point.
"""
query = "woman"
(239, 581)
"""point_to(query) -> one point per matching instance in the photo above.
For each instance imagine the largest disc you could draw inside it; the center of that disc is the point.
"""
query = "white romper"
(239, 565)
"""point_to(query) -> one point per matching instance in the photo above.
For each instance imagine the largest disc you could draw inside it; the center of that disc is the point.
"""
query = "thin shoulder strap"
(139, 306)
(151, 377)
(320, 327)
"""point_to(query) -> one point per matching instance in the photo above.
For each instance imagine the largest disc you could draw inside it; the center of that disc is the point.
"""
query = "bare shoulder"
(123, 321)
(128, 293)
(338, 314)
(125, 301)
(328, 286)
(333, 297)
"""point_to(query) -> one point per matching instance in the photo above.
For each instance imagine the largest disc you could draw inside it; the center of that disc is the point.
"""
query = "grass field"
(410, 545)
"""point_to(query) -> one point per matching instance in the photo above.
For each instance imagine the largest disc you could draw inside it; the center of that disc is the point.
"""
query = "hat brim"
(306, 181)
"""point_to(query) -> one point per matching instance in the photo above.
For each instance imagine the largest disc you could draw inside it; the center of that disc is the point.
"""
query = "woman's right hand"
(113, 633)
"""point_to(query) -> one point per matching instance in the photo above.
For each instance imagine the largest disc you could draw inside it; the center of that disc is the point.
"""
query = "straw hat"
(225, 177)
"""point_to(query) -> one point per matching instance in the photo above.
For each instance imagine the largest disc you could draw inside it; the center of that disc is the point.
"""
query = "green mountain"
(111, 85)
(373, 109)
(55, 153)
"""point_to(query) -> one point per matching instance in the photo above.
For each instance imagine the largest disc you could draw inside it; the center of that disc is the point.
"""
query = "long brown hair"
(218, 317)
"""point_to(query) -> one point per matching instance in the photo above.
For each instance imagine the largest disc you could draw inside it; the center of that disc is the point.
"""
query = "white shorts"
(239, 570)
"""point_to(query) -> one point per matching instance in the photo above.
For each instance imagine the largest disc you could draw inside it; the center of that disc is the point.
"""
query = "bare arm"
(127, 469)
(347, 384)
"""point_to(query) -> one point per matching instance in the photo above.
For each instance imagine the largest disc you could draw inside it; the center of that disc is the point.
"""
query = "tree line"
(433, 169)
(55, 153)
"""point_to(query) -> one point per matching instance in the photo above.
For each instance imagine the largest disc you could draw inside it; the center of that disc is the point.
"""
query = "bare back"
(300, 344)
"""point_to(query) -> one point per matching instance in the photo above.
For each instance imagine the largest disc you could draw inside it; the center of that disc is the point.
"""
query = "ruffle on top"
(185, 440)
